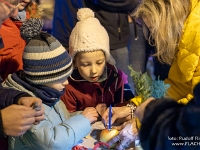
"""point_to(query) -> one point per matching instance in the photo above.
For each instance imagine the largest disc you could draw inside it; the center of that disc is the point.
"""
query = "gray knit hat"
(89, 35)
(45, 60)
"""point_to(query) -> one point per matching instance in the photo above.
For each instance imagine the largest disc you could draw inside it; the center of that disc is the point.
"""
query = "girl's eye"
(85, 65)
(99, 63)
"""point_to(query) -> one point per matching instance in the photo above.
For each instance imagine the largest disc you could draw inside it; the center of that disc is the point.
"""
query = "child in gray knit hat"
(46, 68)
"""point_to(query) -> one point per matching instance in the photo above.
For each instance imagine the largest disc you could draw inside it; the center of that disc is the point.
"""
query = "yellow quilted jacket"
(184, 73)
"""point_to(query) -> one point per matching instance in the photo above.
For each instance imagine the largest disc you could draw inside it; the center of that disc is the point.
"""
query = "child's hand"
(101, 108)
(90, 113)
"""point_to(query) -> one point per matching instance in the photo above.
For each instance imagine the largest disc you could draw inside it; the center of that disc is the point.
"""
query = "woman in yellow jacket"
(174, 29)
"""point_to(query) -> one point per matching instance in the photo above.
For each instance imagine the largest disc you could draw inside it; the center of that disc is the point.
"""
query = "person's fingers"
(105, 115)
(39, 118)
(30, 113)
(28, 121)
(24, 129)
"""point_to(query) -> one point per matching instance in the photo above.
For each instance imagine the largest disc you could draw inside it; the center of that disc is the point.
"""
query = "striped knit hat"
(45, 60)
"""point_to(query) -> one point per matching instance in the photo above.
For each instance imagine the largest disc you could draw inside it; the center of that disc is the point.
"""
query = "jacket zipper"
(119, 29)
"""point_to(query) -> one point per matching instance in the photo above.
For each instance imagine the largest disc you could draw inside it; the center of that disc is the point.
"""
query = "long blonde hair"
(166, 21)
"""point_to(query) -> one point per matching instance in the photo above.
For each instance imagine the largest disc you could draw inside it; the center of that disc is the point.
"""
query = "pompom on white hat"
(89, 35)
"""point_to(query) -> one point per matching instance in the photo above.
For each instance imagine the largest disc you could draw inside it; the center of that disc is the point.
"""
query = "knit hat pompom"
(45, 60)
(89, 35)
(84, 13)
(31, 28)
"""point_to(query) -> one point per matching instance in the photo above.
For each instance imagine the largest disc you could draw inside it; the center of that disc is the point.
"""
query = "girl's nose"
(94, 69)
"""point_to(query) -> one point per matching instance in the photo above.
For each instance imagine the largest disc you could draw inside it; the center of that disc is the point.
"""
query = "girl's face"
(60, 85)
(90, 64)
(22, 4)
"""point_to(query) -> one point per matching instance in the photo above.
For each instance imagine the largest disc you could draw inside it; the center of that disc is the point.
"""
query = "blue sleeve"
(65, 19)
(60, 137)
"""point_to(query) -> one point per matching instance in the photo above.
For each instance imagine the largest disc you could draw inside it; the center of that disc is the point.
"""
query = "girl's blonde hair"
(165, 20)
(34, 10)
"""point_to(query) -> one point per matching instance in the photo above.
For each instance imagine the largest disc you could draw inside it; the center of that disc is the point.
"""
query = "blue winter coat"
(60, 130)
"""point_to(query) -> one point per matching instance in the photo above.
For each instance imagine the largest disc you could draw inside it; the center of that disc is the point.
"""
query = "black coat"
(112, 14)
(8, 97)
(167, 123)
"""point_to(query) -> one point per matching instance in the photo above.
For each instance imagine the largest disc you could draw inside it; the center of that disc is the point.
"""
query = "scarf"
(49, 96)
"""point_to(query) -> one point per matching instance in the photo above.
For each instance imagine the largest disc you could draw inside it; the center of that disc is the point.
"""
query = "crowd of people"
(55, 86)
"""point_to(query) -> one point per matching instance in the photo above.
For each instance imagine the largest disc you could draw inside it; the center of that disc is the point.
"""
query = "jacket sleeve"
(159, 123)
(11, 53)
(64, 136)
(123, 90)
(10, 96)
(166, 122)
(2, 135)
(117, 5)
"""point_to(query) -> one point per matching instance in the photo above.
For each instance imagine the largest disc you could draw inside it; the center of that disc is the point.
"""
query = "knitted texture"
(89, 35)
(45, 60)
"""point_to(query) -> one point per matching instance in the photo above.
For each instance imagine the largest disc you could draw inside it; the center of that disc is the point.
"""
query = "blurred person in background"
(16, 108)
(11, 53)
(112, 14)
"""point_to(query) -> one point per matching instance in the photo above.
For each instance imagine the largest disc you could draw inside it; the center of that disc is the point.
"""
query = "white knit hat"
(89, 35)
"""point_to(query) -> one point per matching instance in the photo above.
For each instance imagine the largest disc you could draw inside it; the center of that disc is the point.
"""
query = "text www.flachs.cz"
(186, 144)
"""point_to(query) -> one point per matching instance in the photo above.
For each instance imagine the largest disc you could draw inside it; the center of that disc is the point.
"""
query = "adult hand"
(117, 113)
(91, 114)
(139, 112)
(128, 134)
(29, 102)
(17, 119)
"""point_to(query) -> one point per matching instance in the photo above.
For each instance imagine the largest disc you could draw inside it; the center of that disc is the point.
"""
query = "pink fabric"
(124, 77)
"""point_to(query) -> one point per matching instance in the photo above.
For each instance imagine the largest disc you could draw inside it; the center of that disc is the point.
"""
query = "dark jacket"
(167, 123)
(80, 93)
(7, 98)
(112, 14)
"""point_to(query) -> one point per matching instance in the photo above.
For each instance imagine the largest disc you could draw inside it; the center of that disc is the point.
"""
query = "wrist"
(132, 108)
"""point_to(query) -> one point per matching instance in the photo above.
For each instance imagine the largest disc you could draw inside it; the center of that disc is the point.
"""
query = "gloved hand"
(127, 135)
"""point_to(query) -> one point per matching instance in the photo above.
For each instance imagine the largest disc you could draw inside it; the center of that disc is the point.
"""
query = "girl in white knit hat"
(95, 81)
